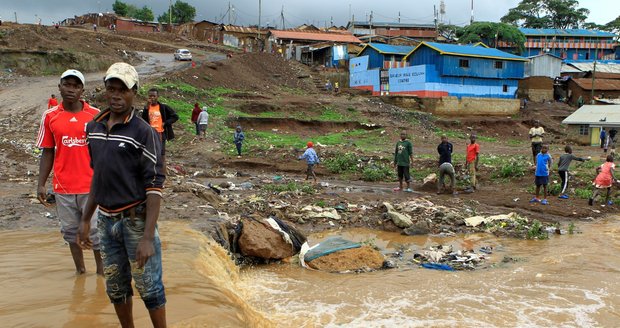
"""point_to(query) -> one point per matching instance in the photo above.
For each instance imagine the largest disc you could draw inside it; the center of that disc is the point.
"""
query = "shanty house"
(286, 42)
(585, 124)
(246, 38)
(605, 85)
(384, 55)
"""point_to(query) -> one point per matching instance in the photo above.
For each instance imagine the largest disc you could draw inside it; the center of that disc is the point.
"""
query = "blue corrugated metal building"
(458, 70)
(384, 55)
(568, 44)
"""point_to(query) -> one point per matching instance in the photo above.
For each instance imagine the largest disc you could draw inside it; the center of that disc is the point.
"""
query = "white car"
(182, 54)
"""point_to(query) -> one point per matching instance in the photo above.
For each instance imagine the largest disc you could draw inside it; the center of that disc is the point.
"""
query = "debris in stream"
(445, 258)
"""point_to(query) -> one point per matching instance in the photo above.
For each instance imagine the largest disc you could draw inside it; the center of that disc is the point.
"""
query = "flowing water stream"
(569, 280)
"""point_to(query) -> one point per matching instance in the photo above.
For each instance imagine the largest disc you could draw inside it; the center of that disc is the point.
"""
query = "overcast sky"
(297, 12)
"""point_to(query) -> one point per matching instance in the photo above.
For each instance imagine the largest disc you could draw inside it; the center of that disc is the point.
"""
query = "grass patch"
(342, 163)
(289, 187)
(537, 231)
(461, 135)
(329, 114)
(583, 193)
(378, 172)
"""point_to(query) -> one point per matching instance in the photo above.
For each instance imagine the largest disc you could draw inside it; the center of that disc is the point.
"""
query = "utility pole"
(229, 13)
(399, 16)
(170, 15)
(350, 17)
(593, 79)
(331, 21)
(435, 15)
(259, 9)
(370, 25)
(282, 16)
(15, 13)
(471, 21)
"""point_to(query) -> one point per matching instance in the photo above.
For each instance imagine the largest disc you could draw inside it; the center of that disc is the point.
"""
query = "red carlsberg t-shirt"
(66, 132)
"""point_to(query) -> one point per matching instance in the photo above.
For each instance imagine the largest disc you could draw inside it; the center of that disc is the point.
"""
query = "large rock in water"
(364, 257)
(259, 240)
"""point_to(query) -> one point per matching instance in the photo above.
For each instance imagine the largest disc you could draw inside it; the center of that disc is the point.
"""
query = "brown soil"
(300, 127)
(353, 259)
(249, 72)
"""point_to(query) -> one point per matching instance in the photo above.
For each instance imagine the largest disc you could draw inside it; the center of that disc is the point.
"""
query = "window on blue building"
(464, 63)
(505, 88)
(499, 64)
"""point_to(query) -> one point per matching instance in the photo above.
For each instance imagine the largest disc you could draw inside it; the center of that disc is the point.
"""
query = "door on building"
(595, 136)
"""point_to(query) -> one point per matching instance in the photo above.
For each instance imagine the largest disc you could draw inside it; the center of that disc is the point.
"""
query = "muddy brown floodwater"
(568, 280)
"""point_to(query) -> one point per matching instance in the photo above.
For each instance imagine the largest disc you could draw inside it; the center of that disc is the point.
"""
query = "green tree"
(561, 14)
(613, 26)
(182, 12)
(448, 31)
(144, 14)
(120, 8)
(490, 33)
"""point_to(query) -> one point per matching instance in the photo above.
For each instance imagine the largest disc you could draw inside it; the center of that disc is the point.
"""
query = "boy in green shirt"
(403, 156)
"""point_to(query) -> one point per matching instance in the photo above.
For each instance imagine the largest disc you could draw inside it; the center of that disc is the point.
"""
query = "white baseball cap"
(123, 72)
(74, 72)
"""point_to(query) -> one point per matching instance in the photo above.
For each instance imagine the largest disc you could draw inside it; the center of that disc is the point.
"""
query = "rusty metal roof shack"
(246, 38)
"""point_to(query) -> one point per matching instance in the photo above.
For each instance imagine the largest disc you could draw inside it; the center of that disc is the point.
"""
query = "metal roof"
(600, 67)
(242, 29)
(564, 32)
(389, 49)
(315, 36)
(599, 84)
(390, 24)
(468, 51)
(604, 115)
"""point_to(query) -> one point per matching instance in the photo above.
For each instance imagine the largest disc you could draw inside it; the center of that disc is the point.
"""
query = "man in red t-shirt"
(471, 160)
(52, 102)
(62, 136)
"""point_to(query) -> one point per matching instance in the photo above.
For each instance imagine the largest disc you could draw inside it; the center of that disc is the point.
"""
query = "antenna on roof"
(442, 10)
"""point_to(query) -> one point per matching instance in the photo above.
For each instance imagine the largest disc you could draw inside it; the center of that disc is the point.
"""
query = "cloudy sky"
(296, 12)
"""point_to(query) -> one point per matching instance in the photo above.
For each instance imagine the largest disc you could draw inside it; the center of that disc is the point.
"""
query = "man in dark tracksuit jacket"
(160, 117)
(127, 187)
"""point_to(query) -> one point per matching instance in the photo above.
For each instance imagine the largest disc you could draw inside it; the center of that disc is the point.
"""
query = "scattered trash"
(246, 185)
(437, 266)
(475, 221)
(445, 258)
(431, 178)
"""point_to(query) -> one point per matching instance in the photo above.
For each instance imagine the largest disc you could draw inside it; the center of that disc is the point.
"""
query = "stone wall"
(539, 95)
(458, 107)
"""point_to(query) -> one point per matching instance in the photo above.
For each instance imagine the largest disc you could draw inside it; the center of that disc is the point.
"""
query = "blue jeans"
(119, 239)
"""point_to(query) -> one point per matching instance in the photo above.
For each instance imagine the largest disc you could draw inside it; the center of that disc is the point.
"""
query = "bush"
(378, 173)
(342, 163)
(513, 168)
(290, 186)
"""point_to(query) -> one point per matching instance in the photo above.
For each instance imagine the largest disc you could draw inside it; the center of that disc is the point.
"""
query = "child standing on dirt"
(195, 112)
(312, 159)
(403, 157)
(471, 161)
(604, 180)
(563, 165)
(543, 164)
(238, 138)
(203, 121)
